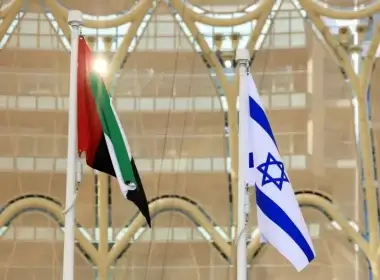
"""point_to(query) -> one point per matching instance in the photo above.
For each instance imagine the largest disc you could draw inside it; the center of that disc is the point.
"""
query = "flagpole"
(75, 21)
(242, 58)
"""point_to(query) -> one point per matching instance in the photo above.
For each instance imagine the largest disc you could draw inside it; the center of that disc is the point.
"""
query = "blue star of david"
(267, 178)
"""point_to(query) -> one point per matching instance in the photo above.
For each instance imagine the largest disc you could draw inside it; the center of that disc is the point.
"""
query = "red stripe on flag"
(90, 130)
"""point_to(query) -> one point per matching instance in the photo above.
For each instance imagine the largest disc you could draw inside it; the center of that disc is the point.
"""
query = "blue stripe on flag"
(251, 162)
(258, 115)
(282, 220)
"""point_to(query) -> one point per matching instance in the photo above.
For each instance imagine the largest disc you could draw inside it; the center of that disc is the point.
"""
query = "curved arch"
(183, 213)
(208, 11)
(124, 11)
(359, 82)
(24, 203)
(335, 13)
(183, 8)
(319, 193)
(184, 205)
(193, 211)
(54, 218)
(8, 15)
(41, 196)
(189, 200)
(167, 204)
(329, 210)
(181, 197)
(4, 9)
(262, 246)
(131, 15)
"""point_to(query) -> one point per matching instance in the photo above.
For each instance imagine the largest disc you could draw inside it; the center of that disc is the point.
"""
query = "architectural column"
(315, 129)
(342, 47)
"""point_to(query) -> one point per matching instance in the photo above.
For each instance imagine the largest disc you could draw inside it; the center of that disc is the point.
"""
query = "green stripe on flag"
(111, 128)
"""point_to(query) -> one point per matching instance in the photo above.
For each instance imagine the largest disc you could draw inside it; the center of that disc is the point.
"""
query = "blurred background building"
(173, 107)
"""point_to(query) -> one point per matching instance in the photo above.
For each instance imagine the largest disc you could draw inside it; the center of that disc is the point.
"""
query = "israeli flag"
(279, 216)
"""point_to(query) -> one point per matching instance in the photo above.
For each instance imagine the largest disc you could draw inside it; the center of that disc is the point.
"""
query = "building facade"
(174, 111)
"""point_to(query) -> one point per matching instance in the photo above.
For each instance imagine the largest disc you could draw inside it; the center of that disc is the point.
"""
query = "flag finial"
(243, 58)
(242, 54)
(75, 18)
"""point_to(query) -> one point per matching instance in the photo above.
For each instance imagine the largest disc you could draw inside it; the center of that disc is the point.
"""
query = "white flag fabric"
(279, 216)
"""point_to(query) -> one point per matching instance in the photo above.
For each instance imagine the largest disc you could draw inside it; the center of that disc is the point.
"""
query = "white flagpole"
(75, 20)
(242, 58)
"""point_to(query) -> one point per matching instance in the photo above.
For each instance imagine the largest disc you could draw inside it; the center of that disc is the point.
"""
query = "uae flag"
(100, 134)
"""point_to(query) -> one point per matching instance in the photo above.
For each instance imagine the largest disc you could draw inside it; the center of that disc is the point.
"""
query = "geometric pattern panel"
(35, 31)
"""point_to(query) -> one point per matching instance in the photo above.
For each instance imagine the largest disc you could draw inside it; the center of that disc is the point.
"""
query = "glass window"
(145, 104)
(281, 41)
(162, 165)
(45, 28)
(281, 26)
(44, 164)
(123, 29)
(25, 164)
(201, 164)
(164, 43)
(183, 104)
(218, 164)
(298, 161)
(27, 42)
(163, 103)
(227, 43)
(243, 29)
(165, 28)
(182, 165)
(205, 29)
(6, 163)
(297, 25)
(24, 233)
(107, 31)
(298, 40)
(125, 104)
(298, 100)
(144, 165)
(26, 102)
(280, 101)
(203, 103)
